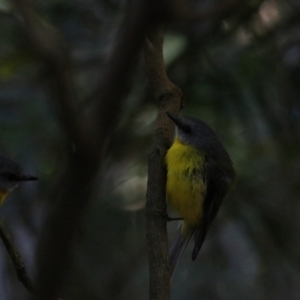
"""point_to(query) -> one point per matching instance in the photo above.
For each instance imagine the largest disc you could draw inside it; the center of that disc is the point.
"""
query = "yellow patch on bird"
(185, 183)
(2, 196)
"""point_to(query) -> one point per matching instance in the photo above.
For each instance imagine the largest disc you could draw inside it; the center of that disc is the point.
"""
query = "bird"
(11, 174)
(200, 174)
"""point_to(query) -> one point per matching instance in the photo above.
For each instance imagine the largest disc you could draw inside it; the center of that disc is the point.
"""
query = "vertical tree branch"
(168, 97)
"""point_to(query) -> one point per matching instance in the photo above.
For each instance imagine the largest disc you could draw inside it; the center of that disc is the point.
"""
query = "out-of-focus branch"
(54, 246)
(115, 81)
(54, 255)
(221, 10)
(49, 44)
(169, 98)
(15, 257)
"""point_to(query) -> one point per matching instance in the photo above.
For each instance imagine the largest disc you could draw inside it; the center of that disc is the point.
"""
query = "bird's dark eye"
(186, 129)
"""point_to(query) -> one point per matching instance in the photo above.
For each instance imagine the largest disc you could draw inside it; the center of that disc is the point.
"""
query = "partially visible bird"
(200, 173)
(11, 174)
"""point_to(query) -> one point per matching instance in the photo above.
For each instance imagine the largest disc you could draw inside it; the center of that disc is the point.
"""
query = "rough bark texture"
(168, 97)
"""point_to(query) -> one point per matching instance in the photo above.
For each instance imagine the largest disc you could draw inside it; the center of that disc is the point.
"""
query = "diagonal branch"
(49, 44)
(15, 257)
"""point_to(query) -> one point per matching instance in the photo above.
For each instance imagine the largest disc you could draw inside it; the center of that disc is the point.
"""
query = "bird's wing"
(217, 186)
(177, 249)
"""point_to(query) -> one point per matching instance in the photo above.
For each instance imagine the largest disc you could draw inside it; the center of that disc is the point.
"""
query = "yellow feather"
(185, 185)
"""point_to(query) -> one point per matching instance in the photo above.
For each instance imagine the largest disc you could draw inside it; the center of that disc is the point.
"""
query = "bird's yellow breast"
(185, 183)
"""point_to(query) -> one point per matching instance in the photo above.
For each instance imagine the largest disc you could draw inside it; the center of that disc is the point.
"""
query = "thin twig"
(15, 257)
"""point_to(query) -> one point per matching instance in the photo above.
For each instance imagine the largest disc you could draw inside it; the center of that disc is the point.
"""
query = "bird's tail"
(177, 249)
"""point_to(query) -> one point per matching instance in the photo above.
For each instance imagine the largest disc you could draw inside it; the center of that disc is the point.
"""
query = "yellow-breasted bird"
(11, 174)
(199, 176)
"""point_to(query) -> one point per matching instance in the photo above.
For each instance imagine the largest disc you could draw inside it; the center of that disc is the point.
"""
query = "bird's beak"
(174, 119)
(27, 177)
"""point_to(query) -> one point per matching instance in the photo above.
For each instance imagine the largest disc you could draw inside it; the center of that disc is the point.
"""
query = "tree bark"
(168, 97)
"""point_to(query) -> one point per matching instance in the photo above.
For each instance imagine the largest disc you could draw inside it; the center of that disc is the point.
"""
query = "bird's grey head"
(11, 174)
(199, 135)
(193, 131)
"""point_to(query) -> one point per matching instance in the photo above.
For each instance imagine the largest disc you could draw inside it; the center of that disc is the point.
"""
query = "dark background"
(238, 65)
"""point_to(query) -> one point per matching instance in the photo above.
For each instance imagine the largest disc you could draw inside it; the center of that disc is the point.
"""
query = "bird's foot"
(169, 219)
